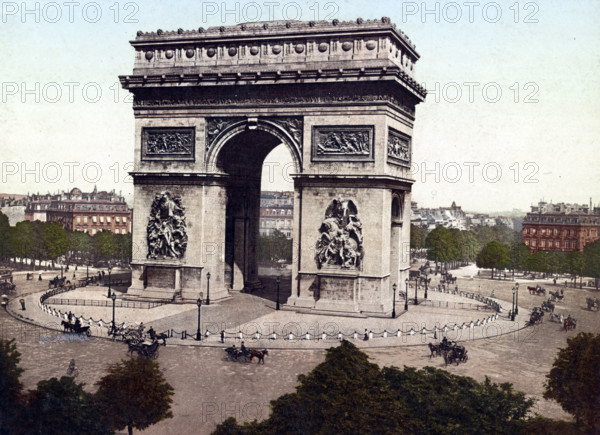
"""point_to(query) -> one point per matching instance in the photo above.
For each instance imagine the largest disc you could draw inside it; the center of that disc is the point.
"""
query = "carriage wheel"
(88, 332)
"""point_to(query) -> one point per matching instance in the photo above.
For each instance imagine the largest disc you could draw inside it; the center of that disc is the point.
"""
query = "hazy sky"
(512, 114)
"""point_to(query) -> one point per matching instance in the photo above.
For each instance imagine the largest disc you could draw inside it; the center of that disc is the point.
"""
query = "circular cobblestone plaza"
(209, 388)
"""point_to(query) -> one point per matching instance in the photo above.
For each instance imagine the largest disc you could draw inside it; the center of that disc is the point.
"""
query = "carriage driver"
(244, 350)
(77, 324)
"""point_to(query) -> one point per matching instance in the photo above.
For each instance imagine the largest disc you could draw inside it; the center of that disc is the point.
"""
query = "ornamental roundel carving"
(149, 55)
(254, 50)
(323, 46)
(166, 231)
(340, 241)
(342, 143)
(169, 54)
(398, 147)
(189, 53)
(276, 49)
(232, 51)
(169, 143)
(347, 46)
(211, 52)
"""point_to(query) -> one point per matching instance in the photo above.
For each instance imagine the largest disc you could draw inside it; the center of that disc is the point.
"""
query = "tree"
(447, 403)
(21, 241)
(123, 246)
(134, 394)
(494, 255)
(10, 384)
(591, 253)
(574, 380)
(38, 243)
(103, 245)
(519, 253)
(536, 262)
(275, 247)
(79, 243)
(441, 245)
(62, 407)
(417, 237)
(468, 245)
(56, 240)
(5, 250)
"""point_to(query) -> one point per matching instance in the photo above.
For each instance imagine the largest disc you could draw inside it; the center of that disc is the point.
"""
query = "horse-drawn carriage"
(145, 348)
(593, 304)
(537, 316)
(557, 295)
(63, 282)
(450, 350)
(246, 355)
(537, 290)
(76, 327)
(548, 306)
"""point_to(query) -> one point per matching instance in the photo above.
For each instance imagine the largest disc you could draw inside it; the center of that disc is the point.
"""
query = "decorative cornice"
(273, 77)
(260, 30)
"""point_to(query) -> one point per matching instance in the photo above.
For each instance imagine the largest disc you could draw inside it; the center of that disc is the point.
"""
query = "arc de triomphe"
(210, 104)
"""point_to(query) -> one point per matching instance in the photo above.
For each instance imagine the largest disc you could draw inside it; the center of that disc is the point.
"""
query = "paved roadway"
(209, 389)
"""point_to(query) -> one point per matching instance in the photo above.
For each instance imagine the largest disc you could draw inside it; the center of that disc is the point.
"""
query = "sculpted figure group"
(167, 236)
(340, 242)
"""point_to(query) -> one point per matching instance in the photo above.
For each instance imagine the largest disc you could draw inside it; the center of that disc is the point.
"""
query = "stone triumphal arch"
(210, 104)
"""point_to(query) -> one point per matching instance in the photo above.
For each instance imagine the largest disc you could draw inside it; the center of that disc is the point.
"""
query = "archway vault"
(211, 103)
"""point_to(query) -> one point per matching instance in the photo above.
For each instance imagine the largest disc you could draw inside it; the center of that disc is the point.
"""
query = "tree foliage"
(134, 394)
(275, 247)
(442, 245)
(417, 237)
(574, 380)
(446, 403)
(62, 407)
(519, 253)
(347, 394)
(494, 255)
(56, 240)
(5, 234)
(10, 384)
(591, 253)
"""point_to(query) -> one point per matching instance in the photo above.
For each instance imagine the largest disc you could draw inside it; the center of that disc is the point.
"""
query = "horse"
(67, 326)
(532, 290)
(435, 349)
(260, 354)
(154, 336)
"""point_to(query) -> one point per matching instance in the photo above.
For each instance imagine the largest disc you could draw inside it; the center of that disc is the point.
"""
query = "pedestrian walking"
(366, 337)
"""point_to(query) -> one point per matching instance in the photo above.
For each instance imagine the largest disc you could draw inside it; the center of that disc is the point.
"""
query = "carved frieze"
(398, 147)
(166, 231)
(168, 143)
(340, 241)
(149, 102)
(214, 127)
(342, 143)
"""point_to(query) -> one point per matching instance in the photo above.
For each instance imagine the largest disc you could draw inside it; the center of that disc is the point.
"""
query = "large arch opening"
(257, 226)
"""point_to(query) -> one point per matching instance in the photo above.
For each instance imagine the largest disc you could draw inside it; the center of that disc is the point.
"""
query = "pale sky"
(63, 113)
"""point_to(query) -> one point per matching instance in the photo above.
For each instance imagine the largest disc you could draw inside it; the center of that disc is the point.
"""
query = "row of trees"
(48, 241)
(516, 256)
(134, 394)
(451, 246)
(349, 394)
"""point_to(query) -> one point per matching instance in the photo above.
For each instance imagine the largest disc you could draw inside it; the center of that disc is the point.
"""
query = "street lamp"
(406, 296)
(109, 269)
(114, 298)
(394, 309)
(198, 333)
(61, 271)
(208, 288)
(517, 298)
(416, 285)
(512, 316)
(278, 281)
(87, 270)
(426, 285)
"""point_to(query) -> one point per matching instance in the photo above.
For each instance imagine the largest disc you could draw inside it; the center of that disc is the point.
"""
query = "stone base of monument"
(251, 286)
(337, 289)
